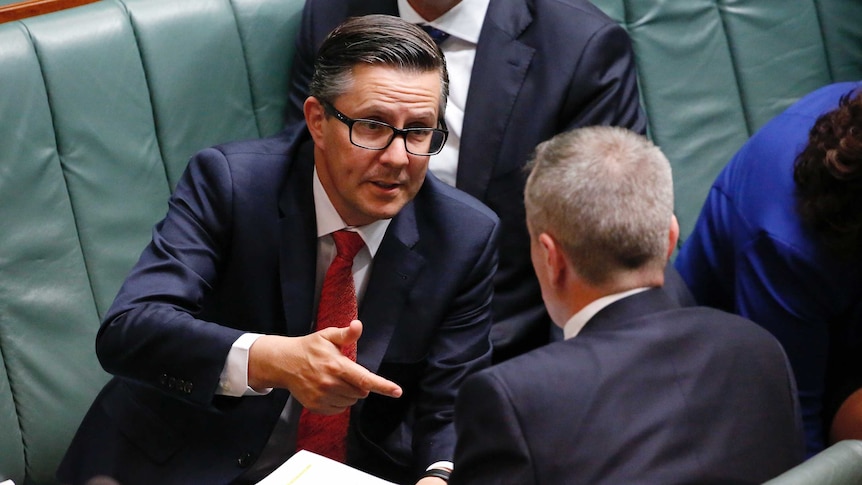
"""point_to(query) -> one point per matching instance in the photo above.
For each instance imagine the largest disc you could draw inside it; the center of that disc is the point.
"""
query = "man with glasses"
(521, 71)
(220, 341)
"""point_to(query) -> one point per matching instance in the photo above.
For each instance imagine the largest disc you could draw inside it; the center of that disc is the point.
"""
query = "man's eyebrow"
(426, 118)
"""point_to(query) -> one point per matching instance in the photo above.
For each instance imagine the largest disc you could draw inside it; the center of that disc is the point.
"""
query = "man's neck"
(432, 9)
(581, 292)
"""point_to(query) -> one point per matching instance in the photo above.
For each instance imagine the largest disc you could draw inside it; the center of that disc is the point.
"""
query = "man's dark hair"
(383, 40)
(828, 176)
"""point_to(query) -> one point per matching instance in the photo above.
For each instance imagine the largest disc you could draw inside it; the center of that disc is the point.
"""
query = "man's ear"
(673, 235)
(555, 260)
(314, 118)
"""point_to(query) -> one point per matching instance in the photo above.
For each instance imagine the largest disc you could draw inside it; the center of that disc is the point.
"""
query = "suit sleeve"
(461, 347)
(151, 333)
(606, 80)
(491, 448)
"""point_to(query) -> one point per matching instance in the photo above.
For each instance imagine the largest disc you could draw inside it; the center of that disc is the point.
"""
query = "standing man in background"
(520, 72)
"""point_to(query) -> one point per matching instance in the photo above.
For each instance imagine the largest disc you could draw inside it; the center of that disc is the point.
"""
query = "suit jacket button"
(244, 460)
(188, 387)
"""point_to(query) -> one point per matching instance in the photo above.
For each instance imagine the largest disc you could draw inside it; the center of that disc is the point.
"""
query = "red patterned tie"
(327, 435)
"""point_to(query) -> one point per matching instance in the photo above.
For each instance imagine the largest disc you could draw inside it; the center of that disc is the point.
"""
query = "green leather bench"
(101, 106)
(712, 72)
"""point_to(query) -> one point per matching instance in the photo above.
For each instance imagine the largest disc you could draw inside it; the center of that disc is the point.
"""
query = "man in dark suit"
(642, 390)
(210, 338)
(521, 71)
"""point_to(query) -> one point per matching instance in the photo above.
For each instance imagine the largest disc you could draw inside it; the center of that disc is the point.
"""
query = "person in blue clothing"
(779, 241)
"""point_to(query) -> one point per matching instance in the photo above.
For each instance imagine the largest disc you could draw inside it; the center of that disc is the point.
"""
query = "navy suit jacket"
(542, 67)
(236, 253)
(648, 392)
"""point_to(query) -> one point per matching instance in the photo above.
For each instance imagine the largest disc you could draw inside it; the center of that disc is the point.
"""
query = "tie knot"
(437, 35)
(347, 243)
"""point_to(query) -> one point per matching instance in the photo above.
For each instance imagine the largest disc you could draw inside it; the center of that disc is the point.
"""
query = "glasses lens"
(438, 138)
(418, 141)
(371, 134)
(376, 135)
(424, 141)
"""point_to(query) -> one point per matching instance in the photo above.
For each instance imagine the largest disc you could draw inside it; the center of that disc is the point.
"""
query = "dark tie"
(436, 34)
(327, 435)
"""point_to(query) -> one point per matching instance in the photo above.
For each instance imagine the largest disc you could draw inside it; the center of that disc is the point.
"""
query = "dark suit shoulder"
(535, 371)
(622, 340)
(693, 324)
(257, 163)
(736, 330)
(719, 321)
(576, 17)
(584, 7)
(438, 200)
(280, 144)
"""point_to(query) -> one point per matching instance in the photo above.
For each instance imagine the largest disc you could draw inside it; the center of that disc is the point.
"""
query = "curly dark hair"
(828, 176)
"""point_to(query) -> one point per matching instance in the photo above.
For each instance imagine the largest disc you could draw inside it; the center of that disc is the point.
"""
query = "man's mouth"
(386, 185)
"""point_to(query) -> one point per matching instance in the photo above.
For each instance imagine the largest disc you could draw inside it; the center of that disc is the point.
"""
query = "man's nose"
(396, 153)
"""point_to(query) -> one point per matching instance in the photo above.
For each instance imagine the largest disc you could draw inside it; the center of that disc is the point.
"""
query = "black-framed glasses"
(377, 135)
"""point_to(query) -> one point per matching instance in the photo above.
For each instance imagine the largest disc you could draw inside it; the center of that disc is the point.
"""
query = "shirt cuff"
(234, 377)
(441, 465)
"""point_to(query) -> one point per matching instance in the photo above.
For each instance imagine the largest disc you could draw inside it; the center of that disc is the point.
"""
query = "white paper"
(307, 468)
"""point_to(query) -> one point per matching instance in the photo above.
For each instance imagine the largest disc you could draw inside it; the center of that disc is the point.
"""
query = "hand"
(847, 423)
(314, 370)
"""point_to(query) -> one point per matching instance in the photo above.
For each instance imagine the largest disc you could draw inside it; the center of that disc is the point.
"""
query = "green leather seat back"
(106, 140)
(48, 316)
(712, 72)
(101, 107)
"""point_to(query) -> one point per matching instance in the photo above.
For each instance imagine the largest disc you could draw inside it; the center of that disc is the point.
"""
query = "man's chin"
(385, 210)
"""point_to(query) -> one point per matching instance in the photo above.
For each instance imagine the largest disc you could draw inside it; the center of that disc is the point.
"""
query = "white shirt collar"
(463, 21)
(328, 220)
(579, 320)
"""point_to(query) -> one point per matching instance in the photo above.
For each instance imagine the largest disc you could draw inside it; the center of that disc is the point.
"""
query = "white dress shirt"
(234, 377)
(463, 23)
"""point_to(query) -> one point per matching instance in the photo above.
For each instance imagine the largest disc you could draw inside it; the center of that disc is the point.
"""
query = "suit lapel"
(298, 245)
(395, 269)
(497, 77)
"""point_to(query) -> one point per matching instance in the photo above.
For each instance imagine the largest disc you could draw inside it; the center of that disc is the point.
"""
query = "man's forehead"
(373, 85)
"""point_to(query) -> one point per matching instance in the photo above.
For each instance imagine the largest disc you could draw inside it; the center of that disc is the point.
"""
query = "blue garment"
(750, 254)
